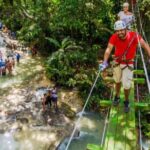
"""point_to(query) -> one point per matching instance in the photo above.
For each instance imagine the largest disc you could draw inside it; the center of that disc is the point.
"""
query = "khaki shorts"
(123, 75)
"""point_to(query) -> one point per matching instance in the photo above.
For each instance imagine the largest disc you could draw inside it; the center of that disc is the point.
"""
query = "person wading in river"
(48, 99)
(54, 98)
(125, 43)
(13, 62)
(43, 102)
(18, 58)
(9, 66)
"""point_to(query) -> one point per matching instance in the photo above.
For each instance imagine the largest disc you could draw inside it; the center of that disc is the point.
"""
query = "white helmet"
(125, 4)
(119, 25)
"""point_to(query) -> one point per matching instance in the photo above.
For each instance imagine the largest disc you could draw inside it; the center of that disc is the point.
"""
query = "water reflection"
(7, 142)
(90, 131)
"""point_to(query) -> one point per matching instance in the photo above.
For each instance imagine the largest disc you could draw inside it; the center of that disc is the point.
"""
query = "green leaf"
(53, 41)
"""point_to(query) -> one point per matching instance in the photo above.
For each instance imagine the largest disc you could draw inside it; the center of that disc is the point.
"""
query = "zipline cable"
(137, 88)
(142, 56)
(77, 122)
(139, 113)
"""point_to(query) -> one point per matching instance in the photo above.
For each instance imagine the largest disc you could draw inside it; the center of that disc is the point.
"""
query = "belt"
(129, 67)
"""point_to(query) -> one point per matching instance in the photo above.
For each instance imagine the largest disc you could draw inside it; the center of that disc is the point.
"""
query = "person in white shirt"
(126, 16)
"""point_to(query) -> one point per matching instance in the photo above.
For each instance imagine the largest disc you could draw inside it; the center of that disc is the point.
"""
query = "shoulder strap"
(129, 45)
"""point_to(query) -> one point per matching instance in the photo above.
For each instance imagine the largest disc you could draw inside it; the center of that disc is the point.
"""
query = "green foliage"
(145, 116)
(69, 61)
(72, 66)
(147, 98)
(69, 31)
(145, 4)
(41, 21)
(85, 19)
(145, 17)
(145, 123)
(73, 30)
(28, 33)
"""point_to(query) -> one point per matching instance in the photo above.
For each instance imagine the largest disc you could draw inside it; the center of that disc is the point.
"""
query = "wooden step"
(139, 80)
(105, 103)
(142, 106)
(93, 147)
(136, 80)
(138, 72)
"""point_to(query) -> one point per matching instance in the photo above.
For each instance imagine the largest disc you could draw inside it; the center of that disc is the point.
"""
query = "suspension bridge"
(120, 130)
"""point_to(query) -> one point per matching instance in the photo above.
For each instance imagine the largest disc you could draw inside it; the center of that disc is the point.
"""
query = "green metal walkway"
(121, 131)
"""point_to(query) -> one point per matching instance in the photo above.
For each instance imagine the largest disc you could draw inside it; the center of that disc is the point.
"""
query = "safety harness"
(122, 57)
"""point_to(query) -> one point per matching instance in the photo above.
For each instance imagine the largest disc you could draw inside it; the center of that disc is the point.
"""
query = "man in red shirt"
(125, 43)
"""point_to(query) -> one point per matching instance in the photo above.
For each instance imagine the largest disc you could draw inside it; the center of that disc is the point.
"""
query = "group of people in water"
(50, 97)
(8, 58)
(7, 65)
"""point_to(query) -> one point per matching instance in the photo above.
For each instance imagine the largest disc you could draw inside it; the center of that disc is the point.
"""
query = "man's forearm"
(145, 46)
(106, 55)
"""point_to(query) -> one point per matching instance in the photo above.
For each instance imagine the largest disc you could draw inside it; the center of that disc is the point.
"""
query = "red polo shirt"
(121, 46)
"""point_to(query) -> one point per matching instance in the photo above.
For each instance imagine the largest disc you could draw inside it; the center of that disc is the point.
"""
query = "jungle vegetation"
(72, 34)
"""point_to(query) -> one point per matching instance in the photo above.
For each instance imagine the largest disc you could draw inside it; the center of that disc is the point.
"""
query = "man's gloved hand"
(103, 65)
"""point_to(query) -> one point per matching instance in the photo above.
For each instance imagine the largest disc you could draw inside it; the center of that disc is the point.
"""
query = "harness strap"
(129, 67)
(126, 65)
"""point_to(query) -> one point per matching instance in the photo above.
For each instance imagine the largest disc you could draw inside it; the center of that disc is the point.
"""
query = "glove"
(103, 65)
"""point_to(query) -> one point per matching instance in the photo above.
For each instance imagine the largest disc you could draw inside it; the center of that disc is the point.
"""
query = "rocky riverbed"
(22, 121)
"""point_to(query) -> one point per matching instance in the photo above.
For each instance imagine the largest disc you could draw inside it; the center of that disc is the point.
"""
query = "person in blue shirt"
(18, 57)
(13, 35)
(54, 97)
(2, 67)
(1, 25)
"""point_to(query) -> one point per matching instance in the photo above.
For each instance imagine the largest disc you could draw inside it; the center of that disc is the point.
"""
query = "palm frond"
(53, 41)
